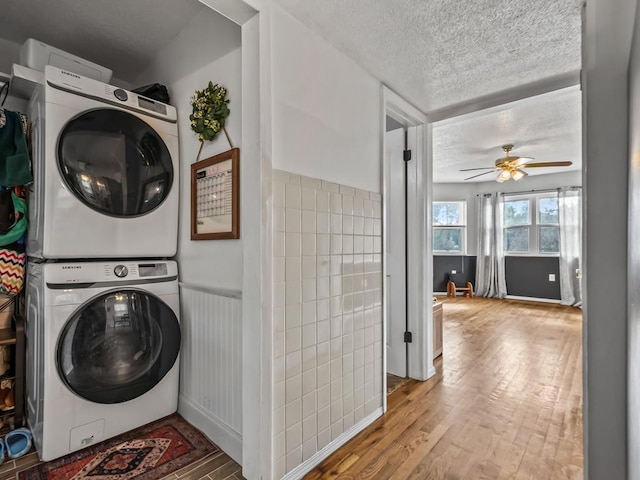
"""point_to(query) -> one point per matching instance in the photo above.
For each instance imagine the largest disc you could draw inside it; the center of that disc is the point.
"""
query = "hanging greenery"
(210, 112)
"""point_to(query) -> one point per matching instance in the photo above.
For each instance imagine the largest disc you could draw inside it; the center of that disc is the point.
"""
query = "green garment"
(15, 167)
(19, 228)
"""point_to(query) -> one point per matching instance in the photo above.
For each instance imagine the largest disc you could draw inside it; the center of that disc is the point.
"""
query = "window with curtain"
(449, 227)
(531, 224)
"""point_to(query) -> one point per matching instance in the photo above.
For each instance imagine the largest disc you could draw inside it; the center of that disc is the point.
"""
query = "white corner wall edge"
(229, 441)
(238, 12)
(305, 467)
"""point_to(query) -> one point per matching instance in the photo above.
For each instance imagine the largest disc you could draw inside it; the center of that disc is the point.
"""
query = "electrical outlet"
(552, 277)
(453, 272)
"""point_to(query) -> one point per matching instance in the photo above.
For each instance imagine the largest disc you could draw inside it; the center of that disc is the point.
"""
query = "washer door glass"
(118, 346)
(115, 163)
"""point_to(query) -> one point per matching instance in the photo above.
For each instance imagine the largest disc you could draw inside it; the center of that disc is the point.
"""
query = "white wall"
(208, 48)
(443, 192)
(9, 54)
(326, 126)
(211, 278)
(326, 109)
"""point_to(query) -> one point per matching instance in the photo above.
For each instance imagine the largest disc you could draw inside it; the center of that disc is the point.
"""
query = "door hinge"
(406, 155)
(408, 337)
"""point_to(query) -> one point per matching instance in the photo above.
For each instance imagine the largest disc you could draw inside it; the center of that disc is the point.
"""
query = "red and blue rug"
(146, 453)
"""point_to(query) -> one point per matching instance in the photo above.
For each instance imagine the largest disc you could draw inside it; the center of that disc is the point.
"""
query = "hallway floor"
(506, 402)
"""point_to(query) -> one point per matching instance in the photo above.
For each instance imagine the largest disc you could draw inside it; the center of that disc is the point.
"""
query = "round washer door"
(115, 163)
(118, 346)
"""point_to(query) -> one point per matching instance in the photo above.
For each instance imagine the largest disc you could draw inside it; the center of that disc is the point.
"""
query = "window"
(531, 225)
(449, 227)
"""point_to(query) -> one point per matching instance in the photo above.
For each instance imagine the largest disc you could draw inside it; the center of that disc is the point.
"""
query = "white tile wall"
(327, 284)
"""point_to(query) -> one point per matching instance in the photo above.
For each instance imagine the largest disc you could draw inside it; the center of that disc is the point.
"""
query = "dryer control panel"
(59, 79)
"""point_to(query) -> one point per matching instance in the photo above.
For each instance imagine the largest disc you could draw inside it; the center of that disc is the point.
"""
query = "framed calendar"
(215, 197)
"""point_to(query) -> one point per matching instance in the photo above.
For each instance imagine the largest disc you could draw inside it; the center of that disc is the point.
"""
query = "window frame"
(534, 224)
(462, 226)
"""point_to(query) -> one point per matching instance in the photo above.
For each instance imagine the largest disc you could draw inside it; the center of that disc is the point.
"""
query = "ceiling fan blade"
(521, 161)
(546, 164)
(478, 175)
(481, 168)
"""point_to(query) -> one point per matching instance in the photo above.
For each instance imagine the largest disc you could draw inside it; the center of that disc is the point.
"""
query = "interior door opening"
(396, 253)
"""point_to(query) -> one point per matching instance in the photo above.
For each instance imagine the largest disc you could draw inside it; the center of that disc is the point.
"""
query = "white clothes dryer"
(106, 171)
(103, 342)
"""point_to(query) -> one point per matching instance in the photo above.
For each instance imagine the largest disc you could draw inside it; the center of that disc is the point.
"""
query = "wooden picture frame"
(215, 197)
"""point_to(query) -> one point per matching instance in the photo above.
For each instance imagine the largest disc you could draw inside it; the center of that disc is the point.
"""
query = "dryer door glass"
(118, 346)
(115, 163)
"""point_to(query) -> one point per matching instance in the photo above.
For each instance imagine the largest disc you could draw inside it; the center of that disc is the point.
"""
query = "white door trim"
(419, 189)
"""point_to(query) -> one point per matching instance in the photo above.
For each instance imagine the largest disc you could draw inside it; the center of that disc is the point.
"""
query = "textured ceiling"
(119, 34)
(547, 127)
(437, 53)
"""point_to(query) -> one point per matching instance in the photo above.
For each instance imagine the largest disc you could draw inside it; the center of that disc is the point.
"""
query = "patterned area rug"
(146, 453)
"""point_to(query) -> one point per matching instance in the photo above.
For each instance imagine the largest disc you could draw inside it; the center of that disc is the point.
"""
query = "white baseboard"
(305, 467)
(532, 299)
(229, 441)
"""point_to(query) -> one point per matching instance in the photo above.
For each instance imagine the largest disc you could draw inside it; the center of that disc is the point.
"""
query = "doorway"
(407, 274)
(396, 254)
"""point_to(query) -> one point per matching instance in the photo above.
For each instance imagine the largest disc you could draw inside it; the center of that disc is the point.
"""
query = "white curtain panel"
(570, 212)
(490, 272)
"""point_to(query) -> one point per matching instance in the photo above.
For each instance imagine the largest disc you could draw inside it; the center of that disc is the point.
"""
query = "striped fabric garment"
(11, 271)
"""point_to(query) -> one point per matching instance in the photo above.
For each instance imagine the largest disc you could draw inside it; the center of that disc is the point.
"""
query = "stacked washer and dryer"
(103, 331)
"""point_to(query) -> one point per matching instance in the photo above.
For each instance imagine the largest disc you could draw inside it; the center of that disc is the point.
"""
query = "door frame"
(419, 232)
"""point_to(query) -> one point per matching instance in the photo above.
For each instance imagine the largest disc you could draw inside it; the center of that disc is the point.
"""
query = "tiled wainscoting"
(211, 365)
(327, 314)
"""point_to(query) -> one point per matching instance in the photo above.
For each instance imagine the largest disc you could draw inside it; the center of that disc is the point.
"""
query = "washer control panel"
(121, 271)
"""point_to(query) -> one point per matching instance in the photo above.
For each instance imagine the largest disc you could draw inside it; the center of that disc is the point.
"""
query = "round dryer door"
(115, 163)
(118, 346)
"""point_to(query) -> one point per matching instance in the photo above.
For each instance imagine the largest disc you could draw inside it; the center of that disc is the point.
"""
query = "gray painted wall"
(529, 277)
(464, 265)
(633, 375)
(526, 276)
(606, 50)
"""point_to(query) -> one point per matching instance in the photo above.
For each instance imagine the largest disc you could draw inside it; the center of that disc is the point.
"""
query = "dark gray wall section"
(529, 277)
(608, 30)
(633, 279)
(526, 276)
(465, 266)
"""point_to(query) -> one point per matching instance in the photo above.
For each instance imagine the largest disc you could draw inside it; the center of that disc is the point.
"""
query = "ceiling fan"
(512, 167)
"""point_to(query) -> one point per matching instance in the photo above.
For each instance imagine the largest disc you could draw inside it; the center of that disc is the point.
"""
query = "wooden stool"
(452, 289)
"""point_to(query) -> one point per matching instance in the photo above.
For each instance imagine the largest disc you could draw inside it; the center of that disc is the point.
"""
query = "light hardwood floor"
(506, 402)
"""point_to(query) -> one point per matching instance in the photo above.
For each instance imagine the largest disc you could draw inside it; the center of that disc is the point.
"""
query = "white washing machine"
(106, 171)
(103, 342)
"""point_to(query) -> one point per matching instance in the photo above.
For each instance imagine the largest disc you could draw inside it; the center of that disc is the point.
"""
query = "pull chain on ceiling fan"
(512, 167)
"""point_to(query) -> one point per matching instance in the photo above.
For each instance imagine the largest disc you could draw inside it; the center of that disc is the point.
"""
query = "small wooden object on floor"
(452, 289)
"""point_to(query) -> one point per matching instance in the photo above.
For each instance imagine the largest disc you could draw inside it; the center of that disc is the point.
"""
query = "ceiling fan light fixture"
(518, 174)
(503, 176)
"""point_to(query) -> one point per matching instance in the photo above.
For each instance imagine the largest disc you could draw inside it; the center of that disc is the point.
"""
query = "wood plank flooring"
(217, 466)
(506, 402)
